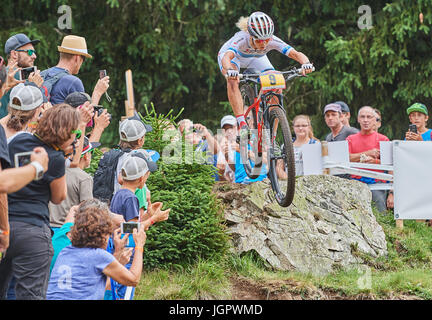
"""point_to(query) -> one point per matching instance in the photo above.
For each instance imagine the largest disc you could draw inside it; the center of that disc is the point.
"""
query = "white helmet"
(260, 26)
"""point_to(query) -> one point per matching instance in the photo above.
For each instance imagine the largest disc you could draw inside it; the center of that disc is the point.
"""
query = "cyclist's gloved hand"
(307, 68)
(232, 73)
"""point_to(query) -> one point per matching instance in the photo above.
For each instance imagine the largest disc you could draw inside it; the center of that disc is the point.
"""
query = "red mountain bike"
(269, 138)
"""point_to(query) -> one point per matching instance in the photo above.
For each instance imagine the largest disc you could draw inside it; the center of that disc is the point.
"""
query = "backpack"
(103, 179)
(50, 80)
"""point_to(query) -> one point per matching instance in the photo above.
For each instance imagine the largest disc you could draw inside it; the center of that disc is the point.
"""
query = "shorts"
(259, 63)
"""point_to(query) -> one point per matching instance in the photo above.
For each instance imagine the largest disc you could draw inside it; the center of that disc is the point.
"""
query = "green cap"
(419, 107)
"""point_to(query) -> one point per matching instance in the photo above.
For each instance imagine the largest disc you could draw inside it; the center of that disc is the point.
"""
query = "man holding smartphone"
(418, 117)
(20, 53)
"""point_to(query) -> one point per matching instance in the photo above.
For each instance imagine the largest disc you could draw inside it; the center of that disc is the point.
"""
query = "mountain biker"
(248, 49)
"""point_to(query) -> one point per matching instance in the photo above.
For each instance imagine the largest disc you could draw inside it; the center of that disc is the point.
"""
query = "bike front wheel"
(281, 158)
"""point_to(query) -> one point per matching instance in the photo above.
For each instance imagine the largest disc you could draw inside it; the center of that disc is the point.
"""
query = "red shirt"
(363, 142)
(359, 142)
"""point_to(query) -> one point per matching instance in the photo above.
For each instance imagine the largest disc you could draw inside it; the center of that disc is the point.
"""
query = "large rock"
(329, 219)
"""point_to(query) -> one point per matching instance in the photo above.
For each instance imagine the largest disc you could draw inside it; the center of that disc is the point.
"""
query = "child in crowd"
(134, 173)
(79, 186)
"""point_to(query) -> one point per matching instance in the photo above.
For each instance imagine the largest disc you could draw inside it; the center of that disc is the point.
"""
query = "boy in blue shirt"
(134, 174)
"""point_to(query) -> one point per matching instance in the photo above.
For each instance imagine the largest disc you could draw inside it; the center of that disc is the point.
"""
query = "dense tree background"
(171, 46)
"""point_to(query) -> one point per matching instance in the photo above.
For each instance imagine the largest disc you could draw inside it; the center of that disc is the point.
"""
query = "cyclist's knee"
(232, 84)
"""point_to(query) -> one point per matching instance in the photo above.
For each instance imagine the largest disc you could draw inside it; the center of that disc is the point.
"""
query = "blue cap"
(17, 41)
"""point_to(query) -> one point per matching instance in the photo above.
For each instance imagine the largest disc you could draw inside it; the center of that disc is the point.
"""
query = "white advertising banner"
(412, 182)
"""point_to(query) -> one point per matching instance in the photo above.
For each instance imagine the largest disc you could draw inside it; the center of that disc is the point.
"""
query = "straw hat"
(74, 45)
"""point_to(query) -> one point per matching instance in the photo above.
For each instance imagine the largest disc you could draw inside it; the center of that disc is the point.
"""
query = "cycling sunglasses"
(78, 133)
(30, 52)
(261, 41)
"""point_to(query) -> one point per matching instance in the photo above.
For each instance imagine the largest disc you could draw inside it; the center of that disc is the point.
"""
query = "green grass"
(405, 271)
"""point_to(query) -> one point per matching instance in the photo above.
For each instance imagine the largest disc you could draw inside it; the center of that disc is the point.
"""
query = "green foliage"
(171, 47)
(195, 227)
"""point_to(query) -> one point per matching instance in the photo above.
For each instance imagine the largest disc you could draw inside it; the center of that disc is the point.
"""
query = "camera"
(25, 72)
(412, 128)
(22, 158)
(102, 74)
(98, 109)
(127, 227)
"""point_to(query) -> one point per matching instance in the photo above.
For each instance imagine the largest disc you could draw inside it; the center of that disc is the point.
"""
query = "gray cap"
(75, 99)
(137, 117)
(134, 168)
(332, 107)
(131, 130)
(343, 105)
(229, 119)
(17, 41)
(30, 97)
(143, 154)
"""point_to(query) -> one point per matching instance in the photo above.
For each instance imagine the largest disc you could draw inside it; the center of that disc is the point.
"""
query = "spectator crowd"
(60, 228)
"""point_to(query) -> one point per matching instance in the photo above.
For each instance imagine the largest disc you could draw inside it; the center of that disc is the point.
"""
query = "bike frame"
(260, 101)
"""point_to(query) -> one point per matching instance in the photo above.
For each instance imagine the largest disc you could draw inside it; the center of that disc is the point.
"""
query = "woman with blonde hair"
(303, 135)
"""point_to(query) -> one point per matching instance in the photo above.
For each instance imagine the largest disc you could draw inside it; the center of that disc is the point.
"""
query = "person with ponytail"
(248, 48)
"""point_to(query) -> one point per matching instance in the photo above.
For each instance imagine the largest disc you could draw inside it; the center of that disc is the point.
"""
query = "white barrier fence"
(407, 166)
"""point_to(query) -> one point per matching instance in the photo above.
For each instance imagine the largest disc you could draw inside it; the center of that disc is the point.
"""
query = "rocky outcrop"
(329, 221)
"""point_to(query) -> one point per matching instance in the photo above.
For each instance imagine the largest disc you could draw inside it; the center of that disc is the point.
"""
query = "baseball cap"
(343, 105)
(30, 83)
(17, 41)
(150, 156)
(137, 117)
(75, 99)
(419, 107)
(30, 97)
(134, 168)
(228, 119)
(88, 146)
(333, 107)
(132, 130)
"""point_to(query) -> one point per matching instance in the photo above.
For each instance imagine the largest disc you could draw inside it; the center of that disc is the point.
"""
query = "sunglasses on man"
(30, 52)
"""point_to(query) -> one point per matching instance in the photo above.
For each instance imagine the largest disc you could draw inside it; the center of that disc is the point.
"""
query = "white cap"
(134, 168)
(229, 119)
(30, 97)
(131, 130)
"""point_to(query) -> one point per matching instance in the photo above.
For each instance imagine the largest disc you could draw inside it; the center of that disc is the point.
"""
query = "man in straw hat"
(60, 80)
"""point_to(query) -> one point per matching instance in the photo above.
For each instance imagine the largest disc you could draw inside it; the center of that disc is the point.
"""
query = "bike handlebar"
(291, 74)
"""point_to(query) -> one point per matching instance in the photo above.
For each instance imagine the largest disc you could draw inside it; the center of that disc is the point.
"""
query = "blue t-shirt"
(78, 274)
(126, 203)
(240, 173)
(60, 241)
(427, 135)
(30, 204)
(65, 86)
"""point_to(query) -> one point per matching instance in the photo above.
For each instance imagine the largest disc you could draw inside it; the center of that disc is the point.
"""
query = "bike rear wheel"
(250, 157)
(281, 158)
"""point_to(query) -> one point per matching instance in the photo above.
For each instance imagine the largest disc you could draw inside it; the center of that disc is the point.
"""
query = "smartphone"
(412, 128)
(25, 72)
(102, 74)
(22, 158)
(127, 227)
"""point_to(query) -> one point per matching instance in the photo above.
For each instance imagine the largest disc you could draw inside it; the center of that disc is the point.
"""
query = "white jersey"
(240, 45)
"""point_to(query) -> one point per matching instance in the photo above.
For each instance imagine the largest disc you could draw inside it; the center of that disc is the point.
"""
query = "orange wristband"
(4, 232)
(151, 221)
(139, 249)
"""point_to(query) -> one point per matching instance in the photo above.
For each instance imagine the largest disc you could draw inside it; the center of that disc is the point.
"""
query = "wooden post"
(399, 224)
(324, 152)
(130, 105)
